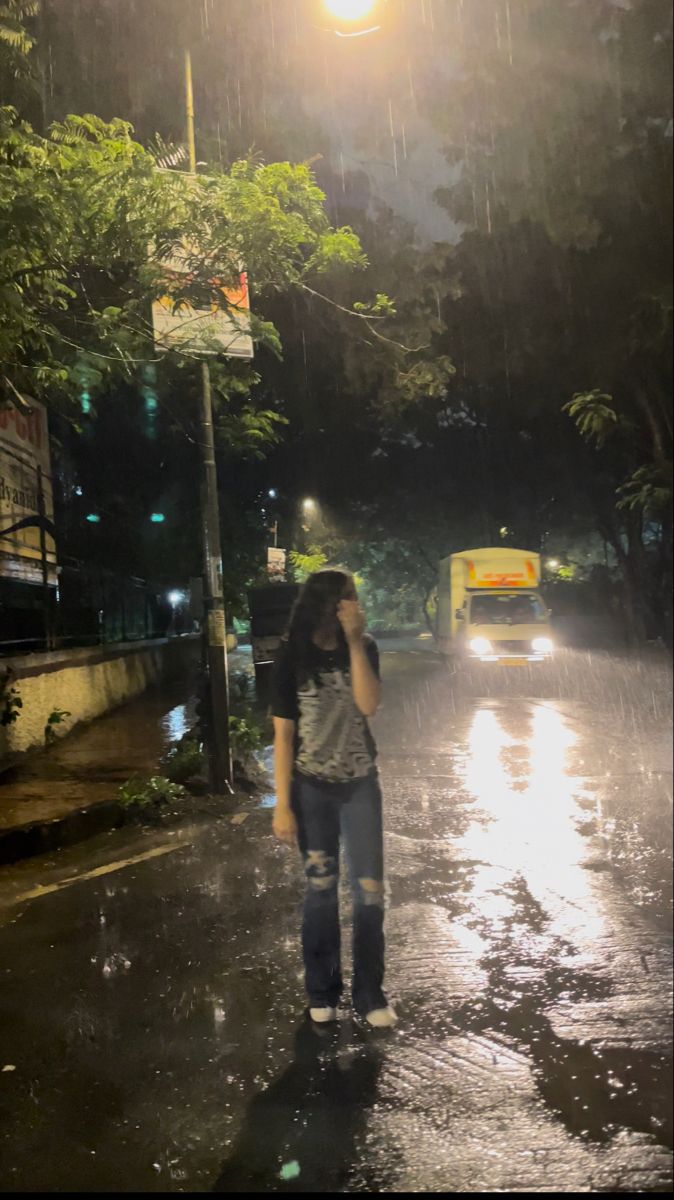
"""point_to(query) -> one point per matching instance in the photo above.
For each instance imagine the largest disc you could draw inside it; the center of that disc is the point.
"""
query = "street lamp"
(175, 599)
(310, 512)
(350, 10)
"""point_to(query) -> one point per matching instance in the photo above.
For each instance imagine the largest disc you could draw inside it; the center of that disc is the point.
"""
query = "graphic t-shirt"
(333, 739)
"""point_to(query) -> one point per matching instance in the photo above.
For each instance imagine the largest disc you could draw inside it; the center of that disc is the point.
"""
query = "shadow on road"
(300, 1134)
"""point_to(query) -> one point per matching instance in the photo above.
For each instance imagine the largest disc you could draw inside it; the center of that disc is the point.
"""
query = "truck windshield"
(510, 608)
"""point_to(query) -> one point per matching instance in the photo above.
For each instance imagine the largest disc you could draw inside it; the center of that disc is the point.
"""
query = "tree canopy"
(516, 379)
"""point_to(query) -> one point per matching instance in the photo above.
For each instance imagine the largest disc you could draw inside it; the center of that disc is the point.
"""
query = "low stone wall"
(87, 683)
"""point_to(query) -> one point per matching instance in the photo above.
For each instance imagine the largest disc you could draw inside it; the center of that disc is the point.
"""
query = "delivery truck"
(490, 609)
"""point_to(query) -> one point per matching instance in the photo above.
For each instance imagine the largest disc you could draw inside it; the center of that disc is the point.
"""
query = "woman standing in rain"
(326, 685)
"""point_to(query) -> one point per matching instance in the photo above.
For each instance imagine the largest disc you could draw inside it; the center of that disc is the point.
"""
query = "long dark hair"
(314, 608)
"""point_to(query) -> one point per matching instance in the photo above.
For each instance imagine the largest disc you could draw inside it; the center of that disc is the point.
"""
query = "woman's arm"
(364, 683)
(284, 825)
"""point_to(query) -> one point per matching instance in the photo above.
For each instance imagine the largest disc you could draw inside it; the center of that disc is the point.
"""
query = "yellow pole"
(189, 109)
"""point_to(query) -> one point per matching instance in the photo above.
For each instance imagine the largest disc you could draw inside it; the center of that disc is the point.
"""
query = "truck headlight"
(481, 645)
(542, 645)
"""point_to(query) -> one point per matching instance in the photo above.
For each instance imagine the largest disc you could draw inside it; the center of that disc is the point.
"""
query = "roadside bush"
(245, 737)
(241, 684)
(56, 717)
(184, 761)
(149, 797)
(10, 700)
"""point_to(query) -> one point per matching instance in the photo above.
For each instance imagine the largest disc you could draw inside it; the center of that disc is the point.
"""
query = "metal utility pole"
(46, 598)
(220, 757)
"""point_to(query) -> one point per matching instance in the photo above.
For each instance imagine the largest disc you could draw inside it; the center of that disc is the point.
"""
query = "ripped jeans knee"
(321, 873)
(369, 892)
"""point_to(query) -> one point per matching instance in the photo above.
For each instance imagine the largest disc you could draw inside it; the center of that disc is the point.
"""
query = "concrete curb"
(27, 841)
(45, 837)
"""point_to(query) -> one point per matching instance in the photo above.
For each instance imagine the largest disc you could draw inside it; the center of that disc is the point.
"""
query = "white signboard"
(276, 562)
(24, 446)
(216, 330)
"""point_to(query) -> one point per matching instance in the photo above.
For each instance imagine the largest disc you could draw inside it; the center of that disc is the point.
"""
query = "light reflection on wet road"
(153, 1016)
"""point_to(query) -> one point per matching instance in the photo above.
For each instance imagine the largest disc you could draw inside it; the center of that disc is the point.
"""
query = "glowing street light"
(308, 505)
(350, 10)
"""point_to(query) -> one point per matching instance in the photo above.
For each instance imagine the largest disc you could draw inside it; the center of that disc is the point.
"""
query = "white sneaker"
(322, 1015)
(382, 1018)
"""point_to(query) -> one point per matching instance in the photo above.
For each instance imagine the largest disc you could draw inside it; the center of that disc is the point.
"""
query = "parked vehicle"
(490, 609)
(270, 606)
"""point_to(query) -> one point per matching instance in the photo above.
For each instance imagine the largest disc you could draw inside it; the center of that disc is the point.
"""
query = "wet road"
(151, 1028)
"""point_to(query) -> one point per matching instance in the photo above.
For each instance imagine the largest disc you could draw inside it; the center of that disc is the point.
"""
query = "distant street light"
(553, 563)
(272, 493)
(175, 598)
(310, 513)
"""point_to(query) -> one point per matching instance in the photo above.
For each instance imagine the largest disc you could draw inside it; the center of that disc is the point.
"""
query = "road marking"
(238, 818)
(45, 889)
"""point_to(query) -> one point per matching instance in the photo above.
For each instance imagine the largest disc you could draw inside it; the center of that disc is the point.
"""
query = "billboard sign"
(215, 330)
(276, 563)
(24, 451)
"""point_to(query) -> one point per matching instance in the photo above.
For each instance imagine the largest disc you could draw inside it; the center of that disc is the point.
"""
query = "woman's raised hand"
(352, 619)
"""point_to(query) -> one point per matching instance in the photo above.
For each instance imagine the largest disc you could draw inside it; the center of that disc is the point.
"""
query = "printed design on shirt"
(335, 742)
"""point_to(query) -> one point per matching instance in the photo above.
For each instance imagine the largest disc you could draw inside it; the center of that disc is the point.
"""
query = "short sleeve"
(284, 686)
(372, 651)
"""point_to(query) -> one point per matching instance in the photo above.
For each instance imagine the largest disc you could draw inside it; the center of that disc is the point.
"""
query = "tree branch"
(367, 319)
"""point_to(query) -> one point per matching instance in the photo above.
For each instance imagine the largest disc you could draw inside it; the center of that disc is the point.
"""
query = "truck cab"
(490, 609)
(505, 625)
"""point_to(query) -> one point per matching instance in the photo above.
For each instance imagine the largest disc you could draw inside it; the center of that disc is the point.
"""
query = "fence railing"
(89, 606)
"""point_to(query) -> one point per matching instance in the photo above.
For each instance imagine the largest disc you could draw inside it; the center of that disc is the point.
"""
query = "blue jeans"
(326, 813)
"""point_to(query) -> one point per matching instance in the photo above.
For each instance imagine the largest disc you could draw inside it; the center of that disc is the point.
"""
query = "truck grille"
(513, 648)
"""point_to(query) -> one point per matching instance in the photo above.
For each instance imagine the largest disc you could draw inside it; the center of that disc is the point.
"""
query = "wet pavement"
(152, 1035)
(89, 765)
(65, 792)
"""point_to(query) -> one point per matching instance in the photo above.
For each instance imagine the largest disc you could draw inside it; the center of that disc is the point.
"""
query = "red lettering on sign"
(27, 428)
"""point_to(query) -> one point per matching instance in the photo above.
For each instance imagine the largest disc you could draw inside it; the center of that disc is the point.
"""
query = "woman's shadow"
(300, 1134)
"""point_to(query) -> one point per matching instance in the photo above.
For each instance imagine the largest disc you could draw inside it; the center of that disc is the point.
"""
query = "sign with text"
(220, 329)
(24, 450)
(276, 562)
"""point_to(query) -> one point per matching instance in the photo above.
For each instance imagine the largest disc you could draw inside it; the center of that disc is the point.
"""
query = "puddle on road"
(177, 723)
